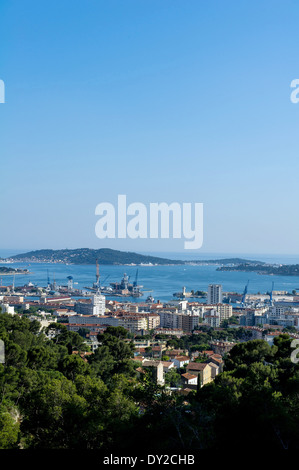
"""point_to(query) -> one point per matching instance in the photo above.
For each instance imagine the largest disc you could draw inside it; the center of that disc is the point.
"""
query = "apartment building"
(133, 323)
(215, 294)
(212, 318)
(97, 306)
(94, 319)
(202, 370)
(185, 321)
(225, 311)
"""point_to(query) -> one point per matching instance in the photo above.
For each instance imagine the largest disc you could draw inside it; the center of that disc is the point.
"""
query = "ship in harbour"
(121, 289)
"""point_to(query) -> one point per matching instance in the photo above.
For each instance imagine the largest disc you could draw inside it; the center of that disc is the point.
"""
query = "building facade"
(214, 294)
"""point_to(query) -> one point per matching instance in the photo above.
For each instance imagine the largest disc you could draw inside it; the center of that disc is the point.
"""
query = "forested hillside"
(53, 396)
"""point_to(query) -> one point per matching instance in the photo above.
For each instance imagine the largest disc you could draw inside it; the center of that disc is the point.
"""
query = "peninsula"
(270, 269)
(107, 256)
(9, 271)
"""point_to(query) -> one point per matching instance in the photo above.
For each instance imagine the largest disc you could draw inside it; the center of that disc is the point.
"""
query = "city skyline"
(149, 262)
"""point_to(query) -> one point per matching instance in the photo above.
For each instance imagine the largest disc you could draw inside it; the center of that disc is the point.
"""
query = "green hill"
(116, 257)
(89, 256)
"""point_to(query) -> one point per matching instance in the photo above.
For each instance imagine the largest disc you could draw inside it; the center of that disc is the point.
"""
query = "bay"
(161, 281)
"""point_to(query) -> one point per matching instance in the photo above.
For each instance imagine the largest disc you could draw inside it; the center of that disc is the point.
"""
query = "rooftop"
(196, 366)
(189, 376)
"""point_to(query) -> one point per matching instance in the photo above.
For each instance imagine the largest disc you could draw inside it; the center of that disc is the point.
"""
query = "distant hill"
(283, 270)
(231, 261)
(89, 256)
(114, 257)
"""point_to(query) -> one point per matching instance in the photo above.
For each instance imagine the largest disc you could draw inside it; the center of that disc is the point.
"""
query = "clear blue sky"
(161, 100)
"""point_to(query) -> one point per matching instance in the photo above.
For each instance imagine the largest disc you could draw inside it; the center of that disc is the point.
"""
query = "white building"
(189, 379)
(185, 321)
(168, 319)
(97, 306)
(6, 308)
(180, 361)
(212, 318)
(181, 305)
(214, 294)
(133, 323)
(225, 311)
(95, 319)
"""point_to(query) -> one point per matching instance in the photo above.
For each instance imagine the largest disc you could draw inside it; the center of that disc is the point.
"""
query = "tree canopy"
(57, 395)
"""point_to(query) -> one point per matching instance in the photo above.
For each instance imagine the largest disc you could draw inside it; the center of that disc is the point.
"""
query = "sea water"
(161, 282)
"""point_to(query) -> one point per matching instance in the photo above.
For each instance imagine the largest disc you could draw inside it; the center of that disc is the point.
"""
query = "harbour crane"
(106, 278)
(245, 292)
(136, 279)
(271, 294)
(96, 285)
(54, 282)
(13, 284)
(97, 274)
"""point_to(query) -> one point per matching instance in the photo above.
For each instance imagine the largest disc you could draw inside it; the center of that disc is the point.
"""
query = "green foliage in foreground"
(52, 398)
